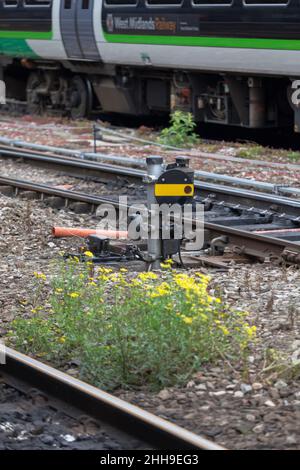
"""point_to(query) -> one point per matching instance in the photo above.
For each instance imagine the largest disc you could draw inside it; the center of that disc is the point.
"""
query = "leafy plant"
(181, 132)
(132, 331)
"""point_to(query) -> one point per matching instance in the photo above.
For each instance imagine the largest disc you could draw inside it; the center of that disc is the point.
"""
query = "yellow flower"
(160, 291)
(105, 270)
(40, 275)
(147, 276)
(224, 330)
(250, 330)
(74, 295)
(58, 290)
(124, 270)
(89, 254)
(167, 264)
(62, 339)
(187, 320)
(203, 277)
(136, 282)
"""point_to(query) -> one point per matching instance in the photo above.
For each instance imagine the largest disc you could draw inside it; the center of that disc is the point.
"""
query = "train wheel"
(81, 98)
(35, 102)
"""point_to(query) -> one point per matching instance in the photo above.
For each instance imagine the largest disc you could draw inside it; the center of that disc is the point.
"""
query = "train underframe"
(78, 90)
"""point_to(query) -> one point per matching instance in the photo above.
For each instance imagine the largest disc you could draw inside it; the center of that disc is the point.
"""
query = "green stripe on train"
(16, 48)
(26, 35)
(14, 43)
(204, 41)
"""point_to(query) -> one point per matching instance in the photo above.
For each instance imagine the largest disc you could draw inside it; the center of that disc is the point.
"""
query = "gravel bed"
(26, 245)
(78, 135)
(29, 422)
(51, 131)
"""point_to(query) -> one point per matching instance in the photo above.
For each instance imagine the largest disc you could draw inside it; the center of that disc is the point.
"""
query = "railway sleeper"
(7, 191)
(55, 202)
(80, 207)
(29, 195)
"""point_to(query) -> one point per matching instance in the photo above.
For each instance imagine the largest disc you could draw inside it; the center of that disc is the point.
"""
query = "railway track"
(253, 224)
(74, 165)
(123, 425)
(89, 164)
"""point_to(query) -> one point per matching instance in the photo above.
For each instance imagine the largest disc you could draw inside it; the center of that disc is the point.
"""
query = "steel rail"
(71, 162)
(264, 243)
(94, 199)
(103, 170)
(192, 153)
(70, 156)
(120, 414)
(53, 191)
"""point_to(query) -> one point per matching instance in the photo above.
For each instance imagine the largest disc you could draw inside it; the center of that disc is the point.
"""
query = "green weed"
(181, 132)
(149, 329)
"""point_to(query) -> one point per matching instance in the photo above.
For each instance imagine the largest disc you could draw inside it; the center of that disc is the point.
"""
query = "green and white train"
(226, 61)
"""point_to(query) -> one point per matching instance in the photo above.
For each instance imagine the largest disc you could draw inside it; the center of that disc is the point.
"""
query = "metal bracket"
(217, 245)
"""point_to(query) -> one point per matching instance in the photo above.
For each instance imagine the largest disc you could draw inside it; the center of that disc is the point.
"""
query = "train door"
(77, 30)
(85, 28)
(68, 13)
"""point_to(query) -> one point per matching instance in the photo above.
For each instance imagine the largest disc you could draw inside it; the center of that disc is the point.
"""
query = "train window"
(212, 3)
(121, 2)
(164, 2)
(266, 2)
(85, 4)
(68, 4)
(37, 3)
(11, 3)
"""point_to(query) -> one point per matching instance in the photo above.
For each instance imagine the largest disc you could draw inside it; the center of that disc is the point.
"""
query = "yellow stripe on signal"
(174, 190)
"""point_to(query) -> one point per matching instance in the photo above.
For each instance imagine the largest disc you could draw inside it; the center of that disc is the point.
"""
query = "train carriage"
(226, 61)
